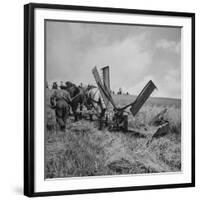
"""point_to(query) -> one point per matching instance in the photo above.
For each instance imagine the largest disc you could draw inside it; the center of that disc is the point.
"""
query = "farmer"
(60, 100)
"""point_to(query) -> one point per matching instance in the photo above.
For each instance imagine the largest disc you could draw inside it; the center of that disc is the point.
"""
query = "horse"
(79, 96)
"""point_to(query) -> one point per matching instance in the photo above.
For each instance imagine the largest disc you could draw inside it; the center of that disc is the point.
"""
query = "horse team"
(72, 97)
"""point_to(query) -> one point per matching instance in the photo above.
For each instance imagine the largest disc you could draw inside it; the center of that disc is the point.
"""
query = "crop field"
(83, 150)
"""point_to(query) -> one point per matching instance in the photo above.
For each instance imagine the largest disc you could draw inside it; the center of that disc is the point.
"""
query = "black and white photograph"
(108, 100)
(113, 96)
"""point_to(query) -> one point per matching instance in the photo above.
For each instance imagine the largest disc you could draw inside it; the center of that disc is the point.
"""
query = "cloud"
(127, 59)
(135, 55)
(171, 46)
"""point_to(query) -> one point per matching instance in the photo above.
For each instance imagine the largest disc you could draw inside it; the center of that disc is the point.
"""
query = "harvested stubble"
(84, 151)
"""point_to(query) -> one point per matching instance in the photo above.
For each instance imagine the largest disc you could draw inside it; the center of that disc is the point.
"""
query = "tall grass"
(76, 152)
(147, 113)
(83, 150)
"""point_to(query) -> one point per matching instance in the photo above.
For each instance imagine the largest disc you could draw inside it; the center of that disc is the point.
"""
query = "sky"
(135, 54)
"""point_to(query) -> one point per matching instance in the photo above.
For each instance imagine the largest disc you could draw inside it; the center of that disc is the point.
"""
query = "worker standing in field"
(59, 101)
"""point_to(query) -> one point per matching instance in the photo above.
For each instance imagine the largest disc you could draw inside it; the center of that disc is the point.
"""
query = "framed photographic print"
(109, 99)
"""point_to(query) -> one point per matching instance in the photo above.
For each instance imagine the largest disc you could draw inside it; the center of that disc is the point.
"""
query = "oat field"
(83, 150)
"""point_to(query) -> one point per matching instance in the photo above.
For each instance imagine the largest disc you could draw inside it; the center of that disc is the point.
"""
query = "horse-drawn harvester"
(105, 110)
(119, 119)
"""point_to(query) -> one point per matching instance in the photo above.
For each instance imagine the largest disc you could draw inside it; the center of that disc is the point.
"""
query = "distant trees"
(55, 85)
(120, 91)
(61, 83)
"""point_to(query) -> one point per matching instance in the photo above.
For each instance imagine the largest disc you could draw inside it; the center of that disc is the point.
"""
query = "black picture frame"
(29, 96)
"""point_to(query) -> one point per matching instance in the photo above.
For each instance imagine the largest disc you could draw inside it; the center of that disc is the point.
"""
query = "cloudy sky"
(135, 54)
